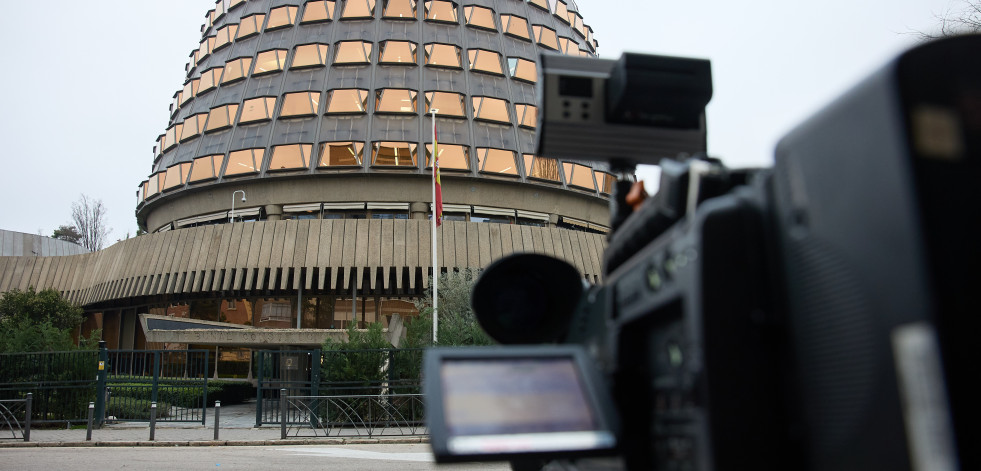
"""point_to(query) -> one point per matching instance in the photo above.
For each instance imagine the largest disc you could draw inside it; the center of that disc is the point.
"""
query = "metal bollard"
(217, 415)
(27, 416)
(282, 414)
(88, 431)
(153, 419)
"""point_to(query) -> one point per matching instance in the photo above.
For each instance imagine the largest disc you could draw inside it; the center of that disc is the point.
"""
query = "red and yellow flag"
(438, 204)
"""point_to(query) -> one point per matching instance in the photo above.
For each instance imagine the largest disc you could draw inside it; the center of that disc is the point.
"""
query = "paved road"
(334, 458)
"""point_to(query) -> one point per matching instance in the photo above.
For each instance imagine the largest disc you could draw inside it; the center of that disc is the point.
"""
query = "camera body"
(813, 315)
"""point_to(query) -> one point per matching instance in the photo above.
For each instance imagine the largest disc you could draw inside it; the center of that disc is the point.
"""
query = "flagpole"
(435, 257)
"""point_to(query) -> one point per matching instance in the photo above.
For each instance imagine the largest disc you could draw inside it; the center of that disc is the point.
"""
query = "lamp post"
(231, 214)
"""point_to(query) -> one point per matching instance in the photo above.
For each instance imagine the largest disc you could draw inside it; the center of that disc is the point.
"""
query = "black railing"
(61, 383)
(177, 380)
(354, 415)
(15, 418)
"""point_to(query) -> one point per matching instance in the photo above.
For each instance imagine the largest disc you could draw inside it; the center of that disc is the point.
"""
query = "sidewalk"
(236, 428)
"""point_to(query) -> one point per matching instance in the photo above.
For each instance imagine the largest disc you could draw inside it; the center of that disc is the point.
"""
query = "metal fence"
(62, 383)
(354, 415)
(14, 418)
(177, 380)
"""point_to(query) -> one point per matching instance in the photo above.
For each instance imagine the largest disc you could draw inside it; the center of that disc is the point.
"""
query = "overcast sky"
(88, 84)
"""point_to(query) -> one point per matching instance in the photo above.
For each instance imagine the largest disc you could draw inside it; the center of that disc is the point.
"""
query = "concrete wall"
(19, 244)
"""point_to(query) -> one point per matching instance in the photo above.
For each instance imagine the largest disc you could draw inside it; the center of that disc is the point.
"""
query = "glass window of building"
(193, 125)
(209, 80)
(545, 37)
(241, 162)
(542, 168)
(234, 3)
(393, 154)
(488, 62)
(153, 184)
(399, 10)
(496, 161)
(352, 52)
(397, 52)
(358, 10)
(480, 17)
(300, 104)
(219, 9)
(576, 21)
(236, 69)
(207, 45)
(310, 55)
(527, 116)
(515, 26)
(451, 156)
(161, 145)
(449, 104)
(341, 154)
(176, 105)
(225, 36)
(267, 62)
(172, 134)
(176, 175)
(221, 117)
(605, 181)
(561, 11)
(395, 100)
(491, 109)
(281, 17)
(190, 90)
(443, 55)
(442, 11)
(257, 109)
(250, 26)
(523, 69)
(205, 168)
(318, 11)
(290, 157)
(579, 175)
(543, 4)
(347, 101)
(568, 46)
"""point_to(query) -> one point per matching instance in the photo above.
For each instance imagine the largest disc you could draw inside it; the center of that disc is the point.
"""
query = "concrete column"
(553, 220)
(274, 212)
(419, 211)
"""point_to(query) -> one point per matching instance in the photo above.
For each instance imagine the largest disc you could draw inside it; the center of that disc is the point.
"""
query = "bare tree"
(89, 218)
(955, 21)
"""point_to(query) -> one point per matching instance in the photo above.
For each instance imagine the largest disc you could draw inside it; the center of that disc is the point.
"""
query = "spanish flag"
(438, 195)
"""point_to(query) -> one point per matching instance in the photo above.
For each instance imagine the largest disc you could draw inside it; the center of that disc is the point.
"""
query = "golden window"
(441, 11)
(394, 154)
(482, 60)
(543, 4)
(606, 182)
(358, 10)
(176, 105)
(497, 161)
(290, 157)
(161, 144)
(353, 52)
(451, 156)
(491, 109)
(282, 17)
(172, 134)
(527, 115)
(400, 10)
(523, 69)
(480, 17)
(347, 101)
(317, 11)
(576, 21)
(568, 46)
(236, 69)
(153, 185)
(176, 175)
(194, 58)
(395, 100)
(207, 45)
(545, 36)
(310, 55)
(243, 161)
(257, 109)
(209, 80)
(397, 52)
(579, 175)
(221, 117)
(190, 90)
(448, 103)
(300, 104)
(443, 55)
(225, 36)
(219, 9)
(542, 168)
(561, 11)
(250, 26)
(515, 26)
(143, 190)
(193, 125)
(204, 168)
(267, 62)
(234, 3)
(341, 154)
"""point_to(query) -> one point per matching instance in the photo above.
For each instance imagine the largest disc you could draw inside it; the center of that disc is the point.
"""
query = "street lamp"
(231, 214)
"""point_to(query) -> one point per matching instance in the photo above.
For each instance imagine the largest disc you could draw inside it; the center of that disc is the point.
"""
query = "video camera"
(813, 315)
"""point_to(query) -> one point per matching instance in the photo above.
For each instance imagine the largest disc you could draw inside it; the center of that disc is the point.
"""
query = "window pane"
(300, 104)
(236, 69)
(400, 9)
(451, 156)
(441, 11)
(515, 26)
(209, 80)
(545, 36)
(448, 104)
(250, 26)
(568, 46)
(153, 186)
(257, 109)
(172, 178)
(543, 4)
(579, 175)
(606, 182)
(397, 52)
(310, 55)
(172, 134)
(358, 9)
(497, 161)
(243, 161)
(292, 156)
(523, 69)
(234, 3)
(317, 11)
(482, 60)
(443, 55)
(491, 109)
(193, 126)
(190, 89)
(204, 168)
(561, 11)
(480, 17)
(353, 52)
(225, 36)
(542, 168)
(270, 61)
(221, 117)
(341, 154)
(350, 100)
(394, 100)
(394, 154)
(527, 116)
(576, 21)
(281, 17)
(207, 45)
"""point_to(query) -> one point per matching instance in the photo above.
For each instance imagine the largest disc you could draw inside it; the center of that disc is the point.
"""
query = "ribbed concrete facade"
(16, 244)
